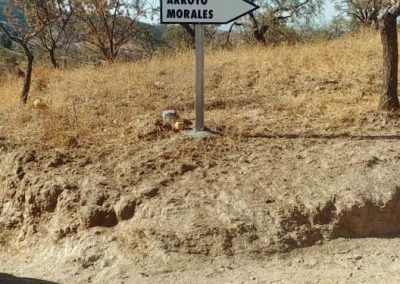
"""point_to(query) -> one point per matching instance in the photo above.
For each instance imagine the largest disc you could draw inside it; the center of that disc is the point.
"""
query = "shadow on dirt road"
(10, 279)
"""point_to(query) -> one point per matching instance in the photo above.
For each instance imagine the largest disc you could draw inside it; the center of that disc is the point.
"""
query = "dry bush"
(311, 88)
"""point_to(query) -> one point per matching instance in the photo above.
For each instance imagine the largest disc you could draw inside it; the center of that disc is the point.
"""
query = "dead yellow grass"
(311, 88)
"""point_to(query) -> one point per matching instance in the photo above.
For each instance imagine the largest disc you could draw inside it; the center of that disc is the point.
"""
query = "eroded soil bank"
(230, 198)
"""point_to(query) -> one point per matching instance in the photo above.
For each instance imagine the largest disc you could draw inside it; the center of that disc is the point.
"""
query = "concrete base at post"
(202, 134)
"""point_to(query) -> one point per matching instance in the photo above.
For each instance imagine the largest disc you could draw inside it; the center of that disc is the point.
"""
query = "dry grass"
(314, 88)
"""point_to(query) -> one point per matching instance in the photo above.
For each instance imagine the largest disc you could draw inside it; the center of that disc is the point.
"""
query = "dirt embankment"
(222, 197)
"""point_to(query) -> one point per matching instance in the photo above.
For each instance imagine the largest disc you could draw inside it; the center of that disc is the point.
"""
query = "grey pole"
(199, 105)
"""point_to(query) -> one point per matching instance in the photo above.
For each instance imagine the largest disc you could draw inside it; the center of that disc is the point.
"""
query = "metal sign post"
(200, 12)
(199, 105)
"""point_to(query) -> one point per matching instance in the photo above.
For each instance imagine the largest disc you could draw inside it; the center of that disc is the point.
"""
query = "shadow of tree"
(10, 279)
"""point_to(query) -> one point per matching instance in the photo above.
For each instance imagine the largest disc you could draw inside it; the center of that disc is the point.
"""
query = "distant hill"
(3, 3)
(157, 30)
(2, 19)
(9, 58)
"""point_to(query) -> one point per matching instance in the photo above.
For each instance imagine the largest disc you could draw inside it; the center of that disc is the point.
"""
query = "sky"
(329, 12)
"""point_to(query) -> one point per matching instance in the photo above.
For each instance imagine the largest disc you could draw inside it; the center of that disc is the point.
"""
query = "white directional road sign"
(200, 12)
(204, 11)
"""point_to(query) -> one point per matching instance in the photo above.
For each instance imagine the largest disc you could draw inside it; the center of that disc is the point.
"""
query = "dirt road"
(369, 260)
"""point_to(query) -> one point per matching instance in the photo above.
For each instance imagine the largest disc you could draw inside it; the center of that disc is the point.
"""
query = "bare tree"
(25, 21)
(389, 100)
(60, 12)
(279, 12)
(68, 39)
(228, 36)
(364, 12)
(107, 25)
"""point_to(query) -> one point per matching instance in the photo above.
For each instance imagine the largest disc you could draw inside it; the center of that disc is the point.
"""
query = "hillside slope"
(107, 194)
(2, 18)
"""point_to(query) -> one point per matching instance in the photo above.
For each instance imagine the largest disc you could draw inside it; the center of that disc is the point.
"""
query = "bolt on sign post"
(200, 12)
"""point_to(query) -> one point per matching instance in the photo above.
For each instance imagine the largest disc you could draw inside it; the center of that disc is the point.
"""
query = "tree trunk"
(28, 74)
(389, 100)
(108, 56)
(259, 30)
(190, 30)
(53, 58)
